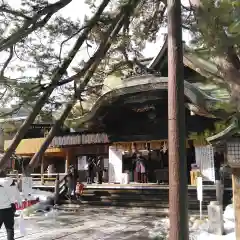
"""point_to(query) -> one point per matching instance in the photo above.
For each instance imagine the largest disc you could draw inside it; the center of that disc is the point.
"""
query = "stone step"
(157, 211)
(135, 198)
(147, 198)
(129, 203)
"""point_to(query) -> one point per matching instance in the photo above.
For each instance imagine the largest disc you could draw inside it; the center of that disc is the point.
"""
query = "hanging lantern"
(134, 147)
(148, 147)
(165, 148)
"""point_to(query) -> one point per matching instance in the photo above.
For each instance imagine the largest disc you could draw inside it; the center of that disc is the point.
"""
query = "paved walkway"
(94, 223)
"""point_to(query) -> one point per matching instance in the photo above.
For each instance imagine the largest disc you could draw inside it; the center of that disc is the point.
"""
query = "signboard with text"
(27, 186)
(82, 163)
(199, 189)
(115, 165)
(80, 139)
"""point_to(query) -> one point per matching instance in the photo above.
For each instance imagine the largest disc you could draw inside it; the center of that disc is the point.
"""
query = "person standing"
(100, 168)
(91, 166)
(9, 195)
(72, 181)
(140, 169)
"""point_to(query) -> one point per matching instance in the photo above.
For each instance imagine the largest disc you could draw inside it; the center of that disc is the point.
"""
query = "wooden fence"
(41, 179)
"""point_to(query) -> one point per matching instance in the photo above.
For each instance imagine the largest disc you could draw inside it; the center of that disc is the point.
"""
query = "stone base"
(215, 216)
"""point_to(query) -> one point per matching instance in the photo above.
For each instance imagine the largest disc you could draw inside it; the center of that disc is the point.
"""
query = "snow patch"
(198, 229)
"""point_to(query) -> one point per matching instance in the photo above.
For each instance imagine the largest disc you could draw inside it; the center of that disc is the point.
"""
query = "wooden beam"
(42, 171)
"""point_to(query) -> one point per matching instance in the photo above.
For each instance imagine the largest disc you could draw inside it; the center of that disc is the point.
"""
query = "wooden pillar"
(67, 160)
(13, 164)
(236, 199)
(56, 190)
(42, 170)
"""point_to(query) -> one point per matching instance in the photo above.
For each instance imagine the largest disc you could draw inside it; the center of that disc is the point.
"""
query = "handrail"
(45, 177)
(38, 174)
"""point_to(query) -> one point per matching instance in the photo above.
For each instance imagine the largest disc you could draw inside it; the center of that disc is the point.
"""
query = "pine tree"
(214, 26)
(55, 76)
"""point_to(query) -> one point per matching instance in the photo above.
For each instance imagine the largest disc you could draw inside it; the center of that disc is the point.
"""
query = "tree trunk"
(24, 128)
(178, 191)
(55, 79)
(236, 200)
(38, 155)
(98, 56)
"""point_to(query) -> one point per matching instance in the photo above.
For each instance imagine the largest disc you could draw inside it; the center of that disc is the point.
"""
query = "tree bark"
(55, 79)
(178, 207)
(98, 56)
(236, 200)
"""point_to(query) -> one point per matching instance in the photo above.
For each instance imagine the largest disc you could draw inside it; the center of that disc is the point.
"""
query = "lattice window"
(233, 153)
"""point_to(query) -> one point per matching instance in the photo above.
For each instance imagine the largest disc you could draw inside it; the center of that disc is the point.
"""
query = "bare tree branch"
(113, 30)
(14, 12)
(7, 62)
(57, 75)
(3, 94)
(69, 38)
(34, 23)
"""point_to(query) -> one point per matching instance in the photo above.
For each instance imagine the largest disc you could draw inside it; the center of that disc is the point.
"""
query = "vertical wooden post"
(236, 199)
(178, 191)
(67, 160)
(56, 191)
(13, 164)
(42, 171)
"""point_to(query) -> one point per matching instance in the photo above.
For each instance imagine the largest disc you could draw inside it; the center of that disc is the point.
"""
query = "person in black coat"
(72, 181)
(100, 168)
(91, 166)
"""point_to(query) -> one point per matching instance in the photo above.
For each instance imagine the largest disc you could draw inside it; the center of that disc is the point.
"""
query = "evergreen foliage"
(44, 37)
(41, 68)
(215, 28)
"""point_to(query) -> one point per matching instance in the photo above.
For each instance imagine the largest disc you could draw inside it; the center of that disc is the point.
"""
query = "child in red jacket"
(79, 189)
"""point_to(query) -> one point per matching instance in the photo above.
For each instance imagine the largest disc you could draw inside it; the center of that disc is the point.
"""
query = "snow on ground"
(92, 223)
(111, 223)
(201, 233)
(208, 236)
(36, 193)
(200, 230)
(116, 223)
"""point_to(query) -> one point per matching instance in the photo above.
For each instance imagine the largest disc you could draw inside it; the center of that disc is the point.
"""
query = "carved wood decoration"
(233, 153)
(133, 147)
(147, 83)
(140, 69)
